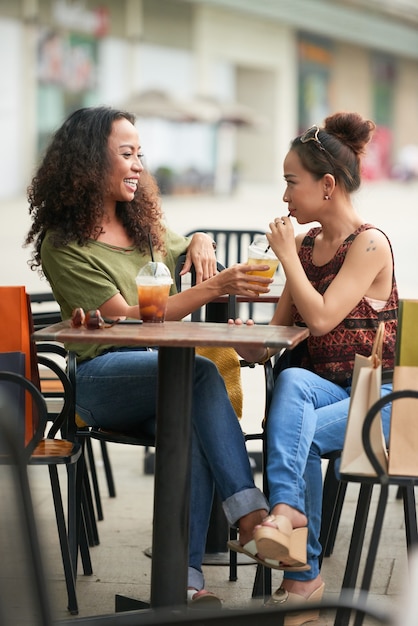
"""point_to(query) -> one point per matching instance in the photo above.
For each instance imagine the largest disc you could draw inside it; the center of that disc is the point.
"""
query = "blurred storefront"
(279, 66)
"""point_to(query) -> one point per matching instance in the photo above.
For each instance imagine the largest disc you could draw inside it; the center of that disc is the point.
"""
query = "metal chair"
(52, 452)
(24, 595)
(406, 485)
(264, 616)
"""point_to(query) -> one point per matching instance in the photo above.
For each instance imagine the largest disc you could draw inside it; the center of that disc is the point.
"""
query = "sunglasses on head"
(312, 135)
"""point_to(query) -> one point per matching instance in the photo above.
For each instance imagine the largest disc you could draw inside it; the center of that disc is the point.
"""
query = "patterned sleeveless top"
(332, 355)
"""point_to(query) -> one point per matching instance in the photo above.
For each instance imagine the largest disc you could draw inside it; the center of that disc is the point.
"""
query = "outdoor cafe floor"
(121, 567)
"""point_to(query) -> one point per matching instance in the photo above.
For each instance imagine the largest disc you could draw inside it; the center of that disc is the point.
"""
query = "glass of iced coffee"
(153, 283)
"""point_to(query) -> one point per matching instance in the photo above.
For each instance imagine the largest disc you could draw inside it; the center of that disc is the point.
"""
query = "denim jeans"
(117, 390)
(307, 419)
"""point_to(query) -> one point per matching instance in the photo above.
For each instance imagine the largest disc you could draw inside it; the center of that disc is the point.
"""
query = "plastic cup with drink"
(153, 283)
(260, 253)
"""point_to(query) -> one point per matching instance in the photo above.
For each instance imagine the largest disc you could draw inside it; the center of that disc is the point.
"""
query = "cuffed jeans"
(117, 390)
(307, 419)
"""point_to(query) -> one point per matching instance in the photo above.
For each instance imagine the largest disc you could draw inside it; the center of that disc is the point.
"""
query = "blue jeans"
(307, 419)
(117, 390)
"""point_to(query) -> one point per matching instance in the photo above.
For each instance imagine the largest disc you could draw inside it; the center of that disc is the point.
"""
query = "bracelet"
(266, 358)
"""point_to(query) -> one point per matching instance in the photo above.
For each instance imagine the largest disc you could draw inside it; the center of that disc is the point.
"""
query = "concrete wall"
(263, 55)
(406, 105)
(230, 55)
(351, 80)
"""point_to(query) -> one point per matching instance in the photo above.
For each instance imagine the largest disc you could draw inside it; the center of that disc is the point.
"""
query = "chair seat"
(114, 436)
(56, 451)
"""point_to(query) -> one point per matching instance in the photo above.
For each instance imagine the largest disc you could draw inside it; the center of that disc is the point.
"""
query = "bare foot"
(247, 523)
(303, 588)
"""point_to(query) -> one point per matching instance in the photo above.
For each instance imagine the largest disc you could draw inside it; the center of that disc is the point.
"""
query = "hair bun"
(351, 129)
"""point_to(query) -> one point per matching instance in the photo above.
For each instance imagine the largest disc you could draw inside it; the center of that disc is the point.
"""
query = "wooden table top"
(178, 334)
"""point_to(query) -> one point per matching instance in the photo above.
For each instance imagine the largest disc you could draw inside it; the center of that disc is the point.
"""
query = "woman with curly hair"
(93, 209)
(340, 283)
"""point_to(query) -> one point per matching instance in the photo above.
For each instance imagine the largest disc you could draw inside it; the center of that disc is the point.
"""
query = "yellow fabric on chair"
(227, 362)
(80, 422)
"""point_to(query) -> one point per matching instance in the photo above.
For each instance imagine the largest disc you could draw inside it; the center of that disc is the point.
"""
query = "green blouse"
(87, 276)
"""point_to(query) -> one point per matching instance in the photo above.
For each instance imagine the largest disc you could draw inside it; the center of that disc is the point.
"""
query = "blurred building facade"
(280, 66)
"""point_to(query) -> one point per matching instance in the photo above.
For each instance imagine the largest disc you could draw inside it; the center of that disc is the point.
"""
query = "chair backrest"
(45, 309)
(214, 311)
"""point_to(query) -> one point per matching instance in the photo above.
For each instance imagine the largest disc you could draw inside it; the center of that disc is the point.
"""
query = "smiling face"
(304, 194)
(125, 162)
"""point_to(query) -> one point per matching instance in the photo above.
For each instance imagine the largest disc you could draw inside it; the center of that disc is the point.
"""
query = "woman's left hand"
(201, 254)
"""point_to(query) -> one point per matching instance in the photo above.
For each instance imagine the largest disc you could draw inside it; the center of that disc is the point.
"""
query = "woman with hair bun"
(340, 283)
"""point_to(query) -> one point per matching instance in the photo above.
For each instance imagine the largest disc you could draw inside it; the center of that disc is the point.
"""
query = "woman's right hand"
(234, 280)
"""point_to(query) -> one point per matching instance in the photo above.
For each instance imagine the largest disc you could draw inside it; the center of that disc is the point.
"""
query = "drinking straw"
(150, 247)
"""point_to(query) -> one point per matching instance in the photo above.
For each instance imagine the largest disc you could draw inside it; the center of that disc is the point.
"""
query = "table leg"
(170, 541)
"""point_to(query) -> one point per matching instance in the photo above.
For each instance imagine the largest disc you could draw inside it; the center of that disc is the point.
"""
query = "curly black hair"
(66, 193)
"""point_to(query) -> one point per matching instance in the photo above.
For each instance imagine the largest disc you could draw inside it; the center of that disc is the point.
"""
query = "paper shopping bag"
(365, 391)
(403, 438)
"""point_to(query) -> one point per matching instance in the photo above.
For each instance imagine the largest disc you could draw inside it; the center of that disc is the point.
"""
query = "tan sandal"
(203, 599)
(283, 598)
(250, 549)
(276, 539)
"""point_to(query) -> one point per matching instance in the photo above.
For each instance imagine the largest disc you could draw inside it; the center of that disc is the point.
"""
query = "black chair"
(262, 617)
(52, 452)
(24, 595)
(406, 486)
